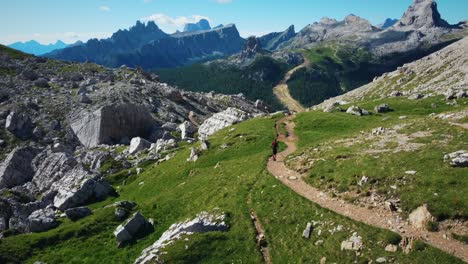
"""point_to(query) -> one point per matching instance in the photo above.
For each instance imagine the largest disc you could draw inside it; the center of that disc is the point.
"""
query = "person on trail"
(274, 148)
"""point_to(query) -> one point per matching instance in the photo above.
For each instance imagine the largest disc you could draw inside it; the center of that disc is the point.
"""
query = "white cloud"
(104, 8)
(224, 1)
(171, 24)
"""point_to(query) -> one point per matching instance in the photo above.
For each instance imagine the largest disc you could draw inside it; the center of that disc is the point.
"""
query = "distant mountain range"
(343, 55)
(148, 46)
(36, 48)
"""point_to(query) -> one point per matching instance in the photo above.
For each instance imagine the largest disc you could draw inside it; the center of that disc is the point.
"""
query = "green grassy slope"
(255, 81)
(337, 68)
(358, 154)
(176, 190)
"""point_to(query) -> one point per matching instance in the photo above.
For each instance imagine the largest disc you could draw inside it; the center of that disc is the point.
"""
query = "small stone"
(391, 248)
(307, 231)
(381, 260)
(411, 172)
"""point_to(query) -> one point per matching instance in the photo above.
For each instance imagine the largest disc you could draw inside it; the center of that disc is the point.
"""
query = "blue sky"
(72, 20)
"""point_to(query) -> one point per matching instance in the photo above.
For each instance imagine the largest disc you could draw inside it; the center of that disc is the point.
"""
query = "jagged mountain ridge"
(273, 41)
(149, 47)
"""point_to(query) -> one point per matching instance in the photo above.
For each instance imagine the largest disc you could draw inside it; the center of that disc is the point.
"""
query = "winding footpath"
(282, 91)
(376, 217)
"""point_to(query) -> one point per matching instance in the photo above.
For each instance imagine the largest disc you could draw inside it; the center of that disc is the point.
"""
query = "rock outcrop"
(421, 14)
(20, 125)
(202, 223)
(42, 220)
(17, 168)
(420, 217)
(138, 144)
(221, 120)
(131, 228)
(110, 124)
(457, 158)
(78, 213)
(79, 186)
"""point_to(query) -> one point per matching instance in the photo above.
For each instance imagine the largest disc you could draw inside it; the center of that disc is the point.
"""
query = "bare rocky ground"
(61, 122)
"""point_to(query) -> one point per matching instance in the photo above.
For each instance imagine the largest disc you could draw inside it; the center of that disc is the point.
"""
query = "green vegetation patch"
(255, 81)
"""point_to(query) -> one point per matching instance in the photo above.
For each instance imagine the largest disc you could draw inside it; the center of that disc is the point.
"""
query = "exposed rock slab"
(221, 120)
(109, 124)
(202, 223)
(17, 168)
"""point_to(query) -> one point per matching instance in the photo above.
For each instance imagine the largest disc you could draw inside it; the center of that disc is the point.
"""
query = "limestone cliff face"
(421, 14)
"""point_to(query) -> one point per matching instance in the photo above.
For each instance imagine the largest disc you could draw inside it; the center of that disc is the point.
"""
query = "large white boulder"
(110, 124)
(221, 120)
(138, 144)
(130, 228)
(202, 223)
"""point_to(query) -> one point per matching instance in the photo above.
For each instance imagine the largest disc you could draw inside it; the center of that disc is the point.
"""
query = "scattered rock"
(138, 144)
(406, 244)
(415, 96)
(457, 158)
(187, 129)
(353, 243)
(396, 94)
(78, 213)
(193, 155)
(204, 222)
(120, 213)
(42, 220)
(411, 172)
(355, 110)
(307, 231)
(129, 205)
(381, 260)
(420, 217)
(383, 108)
(378, 131)
(131, 228)
(391, 248)
(204, 145)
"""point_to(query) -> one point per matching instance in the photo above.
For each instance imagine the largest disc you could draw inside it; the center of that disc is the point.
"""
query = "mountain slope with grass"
(222, 179)
(396, 144)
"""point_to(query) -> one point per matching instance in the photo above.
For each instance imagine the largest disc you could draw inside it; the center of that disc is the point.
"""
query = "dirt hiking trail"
(377, 217)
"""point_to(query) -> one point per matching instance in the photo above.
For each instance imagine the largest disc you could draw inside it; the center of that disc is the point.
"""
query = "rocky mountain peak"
(388, 23)
(251, 48)
(356, 21)
(328, 21)
(422, 14)
(203, 24)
